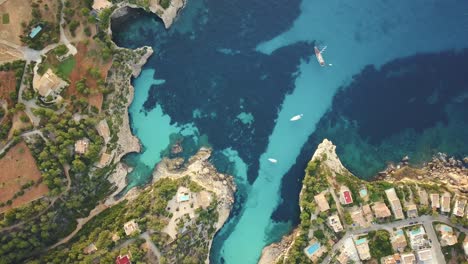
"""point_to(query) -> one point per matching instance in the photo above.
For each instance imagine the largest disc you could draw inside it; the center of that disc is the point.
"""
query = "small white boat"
(318, 54)
(296, 117)
(272, 160)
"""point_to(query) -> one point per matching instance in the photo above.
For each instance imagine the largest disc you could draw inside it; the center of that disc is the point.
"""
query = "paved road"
(425, 220)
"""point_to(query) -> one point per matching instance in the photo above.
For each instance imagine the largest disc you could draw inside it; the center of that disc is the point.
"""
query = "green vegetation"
(66, 67)
(165, 3)
(5, 18)
(314, 182)
(379, 244)
(50, 32)
(149, 211)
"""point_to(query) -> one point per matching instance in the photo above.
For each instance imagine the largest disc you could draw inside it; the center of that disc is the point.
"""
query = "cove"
(237, 72)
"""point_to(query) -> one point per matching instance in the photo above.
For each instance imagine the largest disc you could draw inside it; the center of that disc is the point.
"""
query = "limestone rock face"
(326, 151)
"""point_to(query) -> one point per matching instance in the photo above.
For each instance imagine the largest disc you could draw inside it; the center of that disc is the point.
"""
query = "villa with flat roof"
(445, 202)
(345, 195)
(335, 223)
(395, 203)
(131, 227)
(408, 258)
(314, 251)
(425, 256)
(81, 146)
(416, 237)
(435, 200)
(459, 208)
(362, 247)
(392, 259)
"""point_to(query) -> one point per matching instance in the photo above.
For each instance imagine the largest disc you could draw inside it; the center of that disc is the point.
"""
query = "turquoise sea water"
(232, 77)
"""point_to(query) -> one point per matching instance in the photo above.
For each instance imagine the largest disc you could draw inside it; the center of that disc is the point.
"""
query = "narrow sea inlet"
(231, 75)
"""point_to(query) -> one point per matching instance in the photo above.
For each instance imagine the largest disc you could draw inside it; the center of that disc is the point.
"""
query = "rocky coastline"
(447, 171)
(201, 171)
(442, 169)
(326, 152)
(126, 141)
(168, 15)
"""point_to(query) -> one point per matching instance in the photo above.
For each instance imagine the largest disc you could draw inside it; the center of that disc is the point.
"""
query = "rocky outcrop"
(127, 142)
(273, 252)
(167, 15)
(326, 151)
(201, 171)
(442, 169)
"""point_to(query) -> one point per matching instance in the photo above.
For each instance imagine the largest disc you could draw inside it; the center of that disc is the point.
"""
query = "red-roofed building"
(123, 260)
(345, 195)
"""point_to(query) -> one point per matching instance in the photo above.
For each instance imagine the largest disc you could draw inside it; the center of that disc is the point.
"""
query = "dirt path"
(81, 222)
(20, 224)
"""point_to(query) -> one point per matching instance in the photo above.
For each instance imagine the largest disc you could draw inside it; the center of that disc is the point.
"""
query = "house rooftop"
(459, 209)
(408, 258)
(131, 227)
(345, 195)
(424, 255)
(48, 83)
(412, 210)
(445, 201)
(335, 223)
(395, 203)
(381, 210)
(123, 259)
(435, 200)
(81, 146)
(392, 259)
(363, 249)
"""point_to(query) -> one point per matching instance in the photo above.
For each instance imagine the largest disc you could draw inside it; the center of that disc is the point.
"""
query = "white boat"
(318, 54)
(296, 117)
(272, 160)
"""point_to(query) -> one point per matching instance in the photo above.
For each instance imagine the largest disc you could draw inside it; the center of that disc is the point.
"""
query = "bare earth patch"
(17, 168)
(83, 62)
(19, 11)
(18, 124)
(7, 85)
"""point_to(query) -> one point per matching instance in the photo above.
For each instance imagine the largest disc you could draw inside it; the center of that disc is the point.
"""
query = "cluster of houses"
(363, 216)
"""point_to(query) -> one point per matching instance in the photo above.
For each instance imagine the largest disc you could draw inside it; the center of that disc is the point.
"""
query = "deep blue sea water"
(230, 75)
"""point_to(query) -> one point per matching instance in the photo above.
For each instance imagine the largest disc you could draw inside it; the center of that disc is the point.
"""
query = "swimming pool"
(361, 241)
(313, 248)
(363, 192)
